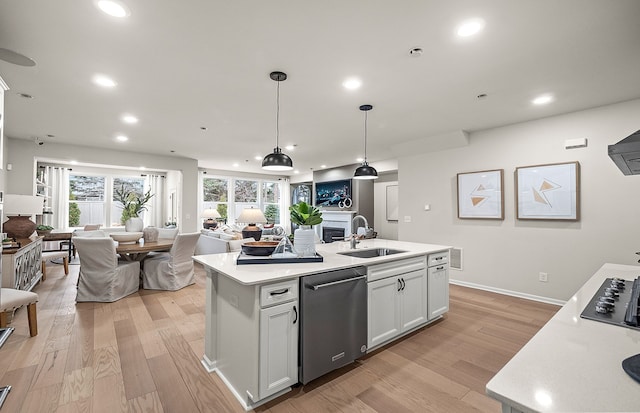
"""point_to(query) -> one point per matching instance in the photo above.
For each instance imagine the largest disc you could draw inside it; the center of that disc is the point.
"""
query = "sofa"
(219, 241)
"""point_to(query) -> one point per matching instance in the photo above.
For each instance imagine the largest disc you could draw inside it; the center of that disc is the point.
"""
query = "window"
(229, 196)
(86, 200)
(91, 198)
(215, 195)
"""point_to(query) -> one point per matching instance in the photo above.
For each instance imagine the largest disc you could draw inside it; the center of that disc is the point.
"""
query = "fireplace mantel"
(336, 219)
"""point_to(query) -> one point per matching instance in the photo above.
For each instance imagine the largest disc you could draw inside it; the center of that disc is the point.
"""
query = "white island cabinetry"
(397, 298)
(252, 313)
(438, 284)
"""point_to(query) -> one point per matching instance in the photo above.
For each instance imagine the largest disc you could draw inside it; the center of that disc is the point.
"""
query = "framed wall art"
(480, 195)
(549, 192)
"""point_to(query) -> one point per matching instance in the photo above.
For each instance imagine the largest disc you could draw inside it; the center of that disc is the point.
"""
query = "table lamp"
(251, 216)
(211, 215)
(19, 209)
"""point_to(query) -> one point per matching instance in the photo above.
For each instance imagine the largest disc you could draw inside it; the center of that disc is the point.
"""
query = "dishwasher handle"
(346, 280)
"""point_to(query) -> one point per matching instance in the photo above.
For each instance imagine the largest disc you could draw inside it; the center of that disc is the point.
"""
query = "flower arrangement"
(132, 203)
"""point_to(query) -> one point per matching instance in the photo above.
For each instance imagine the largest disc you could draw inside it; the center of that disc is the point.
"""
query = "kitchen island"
(573, 364)
(251, 331)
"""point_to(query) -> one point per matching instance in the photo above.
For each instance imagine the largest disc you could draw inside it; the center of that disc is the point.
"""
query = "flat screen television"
(331, 193)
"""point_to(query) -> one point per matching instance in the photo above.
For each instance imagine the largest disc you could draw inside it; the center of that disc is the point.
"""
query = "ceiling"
(182, 66)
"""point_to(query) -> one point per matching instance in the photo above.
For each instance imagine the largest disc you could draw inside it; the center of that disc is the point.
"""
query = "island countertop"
(261, 273)
(573, 364)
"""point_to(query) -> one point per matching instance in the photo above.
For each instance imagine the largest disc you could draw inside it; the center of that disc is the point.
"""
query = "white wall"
(509, 254)
(22, 154)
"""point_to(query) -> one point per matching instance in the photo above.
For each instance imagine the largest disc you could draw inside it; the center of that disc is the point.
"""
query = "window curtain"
(155, 214)
(59, 179)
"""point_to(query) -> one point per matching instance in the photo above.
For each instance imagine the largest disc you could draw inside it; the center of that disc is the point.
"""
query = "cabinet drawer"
(278, 293)
(388, 269)
(438, 258)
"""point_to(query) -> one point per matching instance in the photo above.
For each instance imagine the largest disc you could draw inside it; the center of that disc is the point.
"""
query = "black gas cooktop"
(615, 302)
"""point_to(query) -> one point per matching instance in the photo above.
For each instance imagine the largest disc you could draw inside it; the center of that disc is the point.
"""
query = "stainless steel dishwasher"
(333, 320)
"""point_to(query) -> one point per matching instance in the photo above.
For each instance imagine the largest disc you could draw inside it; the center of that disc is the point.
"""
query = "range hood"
(626, 154)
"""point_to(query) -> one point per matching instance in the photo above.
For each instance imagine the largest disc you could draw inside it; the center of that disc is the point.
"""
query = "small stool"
(13, 299)
(49, 255)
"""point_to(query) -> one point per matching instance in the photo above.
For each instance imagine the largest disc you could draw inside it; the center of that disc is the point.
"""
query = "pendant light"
(365, 171)
(277, 161)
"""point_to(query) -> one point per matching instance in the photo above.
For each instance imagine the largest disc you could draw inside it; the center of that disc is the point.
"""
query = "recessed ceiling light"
(296, 171)
(352, 83)
(542, 99)
(360, 160)
(113, 8)
(129, 119)
(290, 147)
(25, 95)
(104, 81)
(122, 138)
(203, 128)
(257, 158)
(142, 168)
(470, 27)
(236, 164)
(323, 166)
(73, 162)
(50, 135)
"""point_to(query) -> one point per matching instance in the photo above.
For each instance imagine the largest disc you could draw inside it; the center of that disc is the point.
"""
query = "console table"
(22, 267)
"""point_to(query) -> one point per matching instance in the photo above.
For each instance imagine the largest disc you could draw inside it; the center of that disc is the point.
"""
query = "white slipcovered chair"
(102, 277)
(170, 233)
(173, 270)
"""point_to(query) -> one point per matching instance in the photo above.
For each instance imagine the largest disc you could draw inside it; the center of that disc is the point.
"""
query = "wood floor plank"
(77, 385)
(81, 346)
(142, 354)
(109, 395)
(135, 370)
(199, 383)
(173, 392)
(149, 403)
(19, 380)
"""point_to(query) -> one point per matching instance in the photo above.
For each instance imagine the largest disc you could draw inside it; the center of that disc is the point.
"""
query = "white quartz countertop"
(573, 364)
(261, 273)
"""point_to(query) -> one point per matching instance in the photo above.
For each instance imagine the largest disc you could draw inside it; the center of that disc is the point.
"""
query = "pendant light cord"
(365, 136)
(277, 113)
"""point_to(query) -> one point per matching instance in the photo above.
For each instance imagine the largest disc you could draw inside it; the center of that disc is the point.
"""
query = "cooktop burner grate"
(611, 301)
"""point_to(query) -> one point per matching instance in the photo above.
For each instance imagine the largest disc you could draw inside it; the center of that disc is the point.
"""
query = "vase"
(134, 224)
(150, 234)
(304, 241)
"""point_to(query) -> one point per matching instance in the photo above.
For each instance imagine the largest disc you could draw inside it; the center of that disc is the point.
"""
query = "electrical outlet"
(542, 277)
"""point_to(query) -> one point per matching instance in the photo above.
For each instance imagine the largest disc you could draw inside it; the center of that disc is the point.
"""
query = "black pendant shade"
(277, 161)
(365, 171)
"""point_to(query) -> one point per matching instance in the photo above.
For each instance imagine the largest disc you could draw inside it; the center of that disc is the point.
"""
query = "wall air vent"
(455, 263)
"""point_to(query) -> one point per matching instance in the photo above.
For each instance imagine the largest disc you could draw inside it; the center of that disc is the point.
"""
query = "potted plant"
(305, 216)
(132, 205)
(43, 230)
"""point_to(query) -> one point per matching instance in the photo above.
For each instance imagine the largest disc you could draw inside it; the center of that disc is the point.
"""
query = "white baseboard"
(509, 292)
(209, 365)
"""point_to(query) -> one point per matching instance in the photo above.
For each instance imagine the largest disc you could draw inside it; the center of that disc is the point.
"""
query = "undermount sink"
(371, 252)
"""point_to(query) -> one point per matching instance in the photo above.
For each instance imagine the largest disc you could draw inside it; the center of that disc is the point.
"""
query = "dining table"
(138, 250)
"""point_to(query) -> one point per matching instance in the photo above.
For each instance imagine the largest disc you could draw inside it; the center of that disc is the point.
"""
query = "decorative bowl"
(126, 237)
(262, 248)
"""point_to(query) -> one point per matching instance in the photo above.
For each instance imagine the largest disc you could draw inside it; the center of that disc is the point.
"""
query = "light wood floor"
(142, 354)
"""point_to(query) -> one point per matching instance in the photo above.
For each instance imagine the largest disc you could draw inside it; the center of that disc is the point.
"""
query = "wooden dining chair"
(171, 270)
(102, 277)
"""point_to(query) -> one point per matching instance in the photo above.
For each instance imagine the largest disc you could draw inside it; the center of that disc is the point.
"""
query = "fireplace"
(329, 232)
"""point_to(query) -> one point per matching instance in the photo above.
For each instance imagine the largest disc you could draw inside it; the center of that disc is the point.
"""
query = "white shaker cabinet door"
(438, 290)
(384, 311)
(278, 348)
(414, 299)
